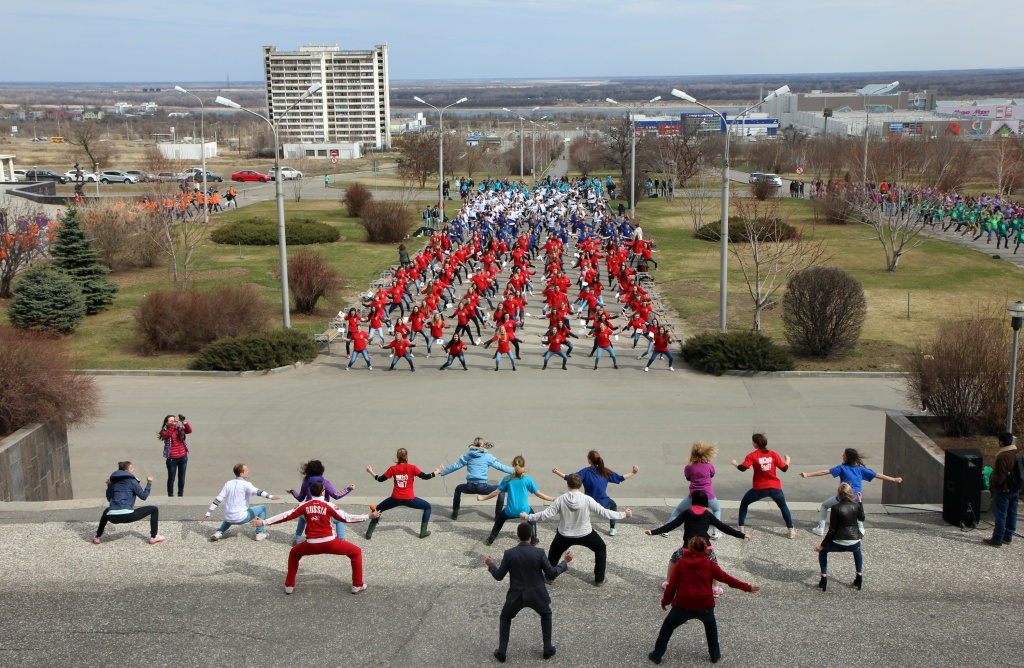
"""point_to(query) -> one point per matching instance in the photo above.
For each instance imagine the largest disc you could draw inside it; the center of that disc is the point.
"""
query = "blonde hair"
(402, 456)
(702, 453)
(845, 492)
(518, 466)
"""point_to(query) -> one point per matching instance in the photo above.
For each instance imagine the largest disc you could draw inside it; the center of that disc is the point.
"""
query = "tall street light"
(632, 159)
(286, 317)
(522, 136)
(440, 150)
(1016, 310)
(202, 130)
(533, 147)
(724, 259)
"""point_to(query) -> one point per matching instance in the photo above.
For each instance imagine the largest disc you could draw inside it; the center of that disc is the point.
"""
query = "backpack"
(1015, 476)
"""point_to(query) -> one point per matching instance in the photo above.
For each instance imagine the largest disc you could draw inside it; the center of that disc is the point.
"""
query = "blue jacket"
(123, 489)
(595, 486)
(477, 462)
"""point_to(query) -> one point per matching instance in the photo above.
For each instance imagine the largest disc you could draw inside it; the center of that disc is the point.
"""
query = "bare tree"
(679, 156)
(772, 254)
(473, 160)
(619, 146)
(418, 156)
(1005, 163)
(180, 239)
(584, 155)
(304, 165)
(899, 229)
(86, 136)
(701, 197)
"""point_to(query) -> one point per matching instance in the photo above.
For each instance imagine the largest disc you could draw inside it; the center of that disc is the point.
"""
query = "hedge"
(263, 232)
(256, 352)
(717, 353)
(738, 230)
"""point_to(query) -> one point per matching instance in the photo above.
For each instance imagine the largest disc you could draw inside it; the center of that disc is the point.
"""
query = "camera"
(181, 418)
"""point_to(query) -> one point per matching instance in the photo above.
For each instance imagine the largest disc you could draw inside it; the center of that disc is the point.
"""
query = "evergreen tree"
(47, 300)
(72, 252)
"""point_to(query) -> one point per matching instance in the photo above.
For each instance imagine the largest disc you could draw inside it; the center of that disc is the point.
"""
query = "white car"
(21, 175)
(117, 176)
(72, 176)
(287, 174)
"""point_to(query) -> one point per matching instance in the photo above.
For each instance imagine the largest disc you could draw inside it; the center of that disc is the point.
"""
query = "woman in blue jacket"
(122, 489)
(477, 461)
(595, 482)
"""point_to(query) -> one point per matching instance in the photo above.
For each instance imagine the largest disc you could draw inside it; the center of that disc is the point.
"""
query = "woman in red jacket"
(403, 474)
(689, 592)
(173, 433)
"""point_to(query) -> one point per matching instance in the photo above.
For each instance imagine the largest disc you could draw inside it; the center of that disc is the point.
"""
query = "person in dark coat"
(529, 567)
(842, 535)
(122, 490)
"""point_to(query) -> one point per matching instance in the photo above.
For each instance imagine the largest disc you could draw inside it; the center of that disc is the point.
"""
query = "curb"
(181, 372)
(817, 374)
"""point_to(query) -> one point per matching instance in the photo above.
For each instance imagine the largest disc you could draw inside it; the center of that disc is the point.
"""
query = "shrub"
(47, 300)
(72, 252)
(836, 207)
(263, 232)
(823, 311)
(357, 196)
(255, 352)
(961, 377)
(738, 230)
(186, 320)
(717, 353)
(310, 279)
(762, 189)
(39, 384)
(386, 222)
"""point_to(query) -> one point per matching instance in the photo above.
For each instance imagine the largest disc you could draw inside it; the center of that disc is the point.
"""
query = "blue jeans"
(687, 503)
(339, 527)
(481, 488)
(679, 616)
(650, 347)
(356, 354)
(252, 513)
(610, 351)
(666, 353)
(775, 495)
(502, 517)
(549, 353)
(407, 357)
(451, 358)
(176, 466)
(497, 359)
(1004, 508)
(858, 557)
(415, 502)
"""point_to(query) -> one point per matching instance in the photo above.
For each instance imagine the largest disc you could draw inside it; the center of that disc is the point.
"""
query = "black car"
(44, 175)
(210, 177)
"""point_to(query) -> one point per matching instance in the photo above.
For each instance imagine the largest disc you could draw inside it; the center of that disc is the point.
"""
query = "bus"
(56, 140)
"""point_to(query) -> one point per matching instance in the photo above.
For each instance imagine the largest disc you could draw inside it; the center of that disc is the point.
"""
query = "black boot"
(858, 581)
(823, 583)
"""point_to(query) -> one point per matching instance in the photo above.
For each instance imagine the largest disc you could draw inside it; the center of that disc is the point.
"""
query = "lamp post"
(533, 146)
(632, 159)
(440, 150)
(286, 317)
(522, 136)
(723, 282)
(1016, 310)
(202, 130)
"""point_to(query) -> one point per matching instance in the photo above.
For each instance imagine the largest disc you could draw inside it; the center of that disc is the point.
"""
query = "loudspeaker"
(961, 496)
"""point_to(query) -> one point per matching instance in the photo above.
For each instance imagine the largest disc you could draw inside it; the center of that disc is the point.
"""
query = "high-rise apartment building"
(353, 105)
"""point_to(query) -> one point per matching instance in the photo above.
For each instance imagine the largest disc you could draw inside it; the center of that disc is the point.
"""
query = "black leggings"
(501, 518)
(592, 541)
(463, 330)
(139, 513)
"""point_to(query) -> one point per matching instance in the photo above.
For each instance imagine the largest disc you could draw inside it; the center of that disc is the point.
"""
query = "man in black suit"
(529, 567)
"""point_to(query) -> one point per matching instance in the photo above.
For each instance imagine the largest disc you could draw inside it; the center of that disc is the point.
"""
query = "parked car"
(142, 176)
(774, 179)
(44, 175)
(249, 175)
(20, 175)
(117, 176)
(287, 173)
(755, 177)
(197, 175)
(80, 175)
(168, 176)
(38, 139)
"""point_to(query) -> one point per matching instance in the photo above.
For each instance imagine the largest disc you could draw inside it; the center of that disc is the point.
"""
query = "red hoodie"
(689, 586)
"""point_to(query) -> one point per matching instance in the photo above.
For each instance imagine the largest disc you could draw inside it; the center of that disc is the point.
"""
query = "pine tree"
(73, 253)
(47, 300)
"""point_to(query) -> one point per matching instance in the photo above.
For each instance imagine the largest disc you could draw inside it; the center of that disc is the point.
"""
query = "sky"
(160, 41)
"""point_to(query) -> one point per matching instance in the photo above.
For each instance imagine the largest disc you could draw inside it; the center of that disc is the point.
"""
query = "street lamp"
(286, 317)
(1016, 310)
(522, 139)
(533, 147)
(440, 150)
(202, 130)
(632, 159)
(724, 232)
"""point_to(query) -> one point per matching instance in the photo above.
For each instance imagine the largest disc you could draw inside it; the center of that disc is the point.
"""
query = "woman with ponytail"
(595, 482)
(517, 487)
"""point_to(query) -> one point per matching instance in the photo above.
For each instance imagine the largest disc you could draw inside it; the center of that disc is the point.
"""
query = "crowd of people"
(693, 570)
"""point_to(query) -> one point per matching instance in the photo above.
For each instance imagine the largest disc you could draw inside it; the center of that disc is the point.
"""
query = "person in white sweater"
(235, 497)
(573, 509)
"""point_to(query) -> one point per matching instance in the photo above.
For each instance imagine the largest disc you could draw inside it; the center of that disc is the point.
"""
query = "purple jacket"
(700, 476)
(303, 494)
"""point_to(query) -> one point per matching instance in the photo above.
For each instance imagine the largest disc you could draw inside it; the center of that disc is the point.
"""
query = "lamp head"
(224, 102)
(311, 90)
(420, 100)
(506, 109)
(683, 96)
(534, 109)
(1016, 310)
(462, 100)
(654, 100)
(608, 99)
(180, 89)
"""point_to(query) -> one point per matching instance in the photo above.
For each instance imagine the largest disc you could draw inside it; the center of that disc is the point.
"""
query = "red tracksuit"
(320, 538)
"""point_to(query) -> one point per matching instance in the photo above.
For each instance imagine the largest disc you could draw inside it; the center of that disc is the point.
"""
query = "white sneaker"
(289, 590)
(261, 536)
(358, 590)
(671, 369)
(715, 536)
(216, 536)
(818, 531)
(717, 591)
(156, 539)
(791, 534)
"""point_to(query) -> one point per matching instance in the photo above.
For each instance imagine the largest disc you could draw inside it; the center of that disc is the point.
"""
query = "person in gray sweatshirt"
(573, 509)
(477, 461)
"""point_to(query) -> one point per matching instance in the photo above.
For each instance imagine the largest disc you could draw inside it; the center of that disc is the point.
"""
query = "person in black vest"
(529, 567)
(842, 535)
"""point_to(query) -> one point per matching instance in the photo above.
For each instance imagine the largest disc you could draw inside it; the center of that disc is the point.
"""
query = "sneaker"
(156, 539)
(369, 368)
(671, 369)
(261, 536)
(96, 540)
(489, 540)
(791, 534)
(664, 585)
(991, 543)
(646, 369)
(818, 531)
(455, 514)
(297, 540)
(289, 590)
(599, 583)
(715, 535)
(358, 590)
(216, 536)
(612, 531)
(717, 591)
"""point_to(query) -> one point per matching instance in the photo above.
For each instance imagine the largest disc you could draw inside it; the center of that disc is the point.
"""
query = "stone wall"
(914, 457)
(35, 465)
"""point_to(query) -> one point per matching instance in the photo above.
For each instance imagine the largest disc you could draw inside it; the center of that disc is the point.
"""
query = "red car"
(249, 175)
